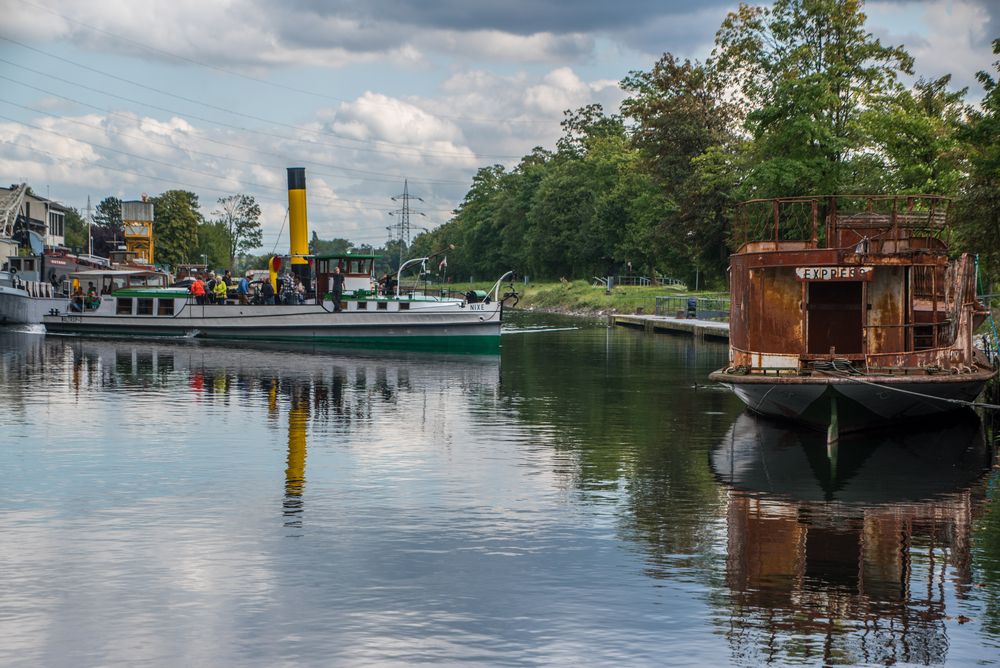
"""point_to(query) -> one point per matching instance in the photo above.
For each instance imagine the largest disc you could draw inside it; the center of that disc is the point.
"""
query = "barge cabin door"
(835, 317)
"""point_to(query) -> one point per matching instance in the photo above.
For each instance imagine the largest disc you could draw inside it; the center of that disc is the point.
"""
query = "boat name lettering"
(477, 307)
(833, 273)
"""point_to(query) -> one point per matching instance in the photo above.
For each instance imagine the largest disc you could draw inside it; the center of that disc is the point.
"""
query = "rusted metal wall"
(887, 310)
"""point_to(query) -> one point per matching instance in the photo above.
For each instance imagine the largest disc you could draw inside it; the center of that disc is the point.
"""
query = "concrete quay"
(705, 329)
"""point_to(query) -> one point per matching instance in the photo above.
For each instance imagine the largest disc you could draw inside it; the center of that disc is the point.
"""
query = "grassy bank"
(580, 297)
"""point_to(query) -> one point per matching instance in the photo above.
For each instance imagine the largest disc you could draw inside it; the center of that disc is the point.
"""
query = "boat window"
(404, 306)
(362, 306)
(124, 306)
(165, 307)
(144, 307)
(383, 306)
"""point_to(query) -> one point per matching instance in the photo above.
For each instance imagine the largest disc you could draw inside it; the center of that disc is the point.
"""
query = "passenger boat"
(856, 322)
(32, 285)
(363, 317)
(410, 321)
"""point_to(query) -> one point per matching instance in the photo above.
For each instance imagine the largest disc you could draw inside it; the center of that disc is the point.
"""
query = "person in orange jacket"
(197, 290)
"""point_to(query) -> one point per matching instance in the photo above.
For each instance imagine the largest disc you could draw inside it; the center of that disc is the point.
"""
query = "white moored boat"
(412, 322)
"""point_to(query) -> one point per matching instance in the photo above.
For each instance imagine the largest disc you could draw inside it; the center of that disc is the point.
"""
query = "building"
(42, 216)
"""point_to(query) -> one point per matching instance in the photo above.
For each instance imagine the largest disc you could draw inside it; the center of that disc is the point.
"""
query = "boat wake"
(535, 330)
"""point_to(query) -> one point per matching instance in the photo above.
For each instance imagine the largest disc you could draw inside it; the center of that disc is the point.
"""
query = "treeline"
(796, 99)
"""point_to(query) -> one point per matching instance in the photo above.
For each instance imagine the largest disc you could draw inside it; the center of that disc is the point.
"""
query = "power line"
(387, 144)
(186, 169)
(285, 159)
(247, 77)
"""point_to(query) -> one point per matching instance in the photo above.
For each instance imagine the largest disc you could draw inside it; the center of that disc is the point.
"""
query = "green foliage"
(215, 244)
(175, 226)
(807, 70)
(979, 204)
(76, 230)
(239, 215)
(109, 214)
(319, 246)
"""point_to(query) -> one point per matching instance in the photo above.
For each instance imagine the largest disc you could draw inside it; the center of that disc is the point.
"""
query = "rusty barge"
(849, 310)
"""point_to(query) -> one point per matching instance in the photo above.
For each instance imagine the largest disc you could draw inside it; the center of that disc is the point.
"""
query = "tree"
(807, 69)
(917, 135)
(685, 134)
(214, 244)
(109, 214)
(76, 230)
(240, 215)
(979, 205)
(319, 246)
(175, 226)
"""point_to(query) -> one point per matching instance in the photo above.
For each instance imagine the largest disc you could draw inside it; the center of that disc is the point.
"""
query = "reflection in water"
(295, 474)
(852, 561)
(552, 506)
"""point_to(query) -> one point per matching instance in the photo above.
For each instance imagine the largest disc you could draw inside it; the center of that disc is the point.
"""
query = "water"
(585, 498)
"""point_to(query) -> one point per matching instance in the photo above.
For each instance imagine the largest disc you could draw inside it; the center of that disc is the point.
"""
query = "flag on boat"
(443, 264)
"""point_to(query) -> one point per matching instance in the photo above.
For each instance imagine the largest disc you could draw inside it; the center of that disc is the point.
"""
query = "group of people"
(211, 288)
(85, 301)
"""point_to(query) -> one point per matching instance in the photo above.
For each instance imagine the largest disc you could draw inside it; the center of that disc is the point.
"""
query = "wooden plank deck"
(706, 329)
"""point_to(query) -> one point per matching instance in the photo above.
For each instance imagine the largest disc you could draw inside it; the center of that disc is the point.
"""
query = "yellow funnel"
(298, 226)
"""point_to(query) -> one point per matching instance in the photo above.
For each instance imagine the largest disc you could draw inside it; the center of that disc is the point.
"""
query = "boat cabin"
(865, 279)
(358, 270)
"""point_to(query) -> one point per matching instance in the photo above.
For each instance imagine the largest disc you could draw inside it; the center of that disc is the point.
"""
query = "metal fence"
(701, 308)
(603, 281)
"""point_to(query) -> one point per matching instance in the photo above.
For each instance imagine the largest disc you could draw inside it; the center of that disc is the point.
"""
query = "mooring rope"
(961, 402)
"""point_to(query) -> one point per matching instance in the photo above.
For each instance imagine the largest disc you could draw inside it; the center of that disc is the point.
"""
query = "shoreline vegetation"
(583, 299)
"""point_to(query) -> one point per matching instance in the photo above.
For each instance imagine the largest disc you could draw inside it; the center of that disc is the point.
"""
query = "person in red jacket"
(197, 290)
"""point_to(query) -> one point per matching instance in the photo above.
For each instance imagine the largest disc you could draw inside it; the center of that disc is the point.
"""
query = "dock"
(705, 329)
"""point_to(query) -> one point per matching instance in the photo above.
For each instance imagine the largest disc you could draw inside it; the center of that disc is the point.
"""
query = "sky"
(122, 98)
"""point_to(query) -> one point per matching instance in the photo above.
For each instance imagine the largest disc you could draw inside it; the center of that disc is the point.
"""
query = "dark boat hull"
(862, 402)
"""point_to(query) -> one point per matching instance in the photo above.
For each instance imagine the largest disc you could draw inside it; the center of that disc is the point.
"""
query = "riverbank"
(581, 298)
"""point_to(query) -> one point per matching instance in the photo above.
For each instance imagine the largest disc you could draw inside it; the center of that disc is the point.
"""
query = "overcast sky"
(118, 97)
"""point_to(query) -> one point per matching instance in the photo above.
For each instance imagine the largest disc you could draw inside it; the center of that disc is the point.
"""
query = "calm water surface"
(586, 498)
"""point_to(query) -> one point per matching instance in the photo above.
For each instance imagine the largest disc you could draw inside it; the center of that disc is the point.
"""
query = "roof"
(117, 272)
(347, 256)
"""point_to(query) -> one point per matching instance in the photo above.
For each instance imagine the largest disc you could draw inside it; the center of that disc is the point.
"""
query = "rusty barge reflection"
(848, 563)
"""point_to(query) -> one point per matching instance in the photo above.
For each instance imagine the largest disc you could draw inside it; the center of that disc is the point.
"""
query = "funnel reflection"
(852, 562)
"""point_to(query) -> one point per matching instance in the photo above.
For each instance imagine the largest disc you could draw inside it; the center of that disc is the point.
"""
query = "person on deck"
(220, 291)
(243, 289)
(93, 301)
(197, 290)
(300, 291)
(337, 288)
(267, 292)
(77, 304)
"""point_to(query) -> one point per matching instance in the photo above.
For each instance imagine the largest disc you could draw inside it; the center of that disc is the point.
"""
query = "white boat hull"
(17, 307)
(432, 325)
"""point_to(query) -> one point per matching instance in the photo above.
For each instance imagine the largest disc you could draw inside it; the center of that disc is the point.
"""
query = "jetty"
(703, 329)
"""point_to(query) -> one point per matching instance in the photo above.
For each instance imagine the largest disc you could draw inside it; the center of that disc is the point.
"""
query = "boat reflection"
(853, 559)
(307, 394)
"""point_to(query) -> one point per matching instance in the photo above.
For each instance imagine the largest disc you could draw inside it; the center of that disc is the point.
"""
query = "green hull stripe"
(478, 345)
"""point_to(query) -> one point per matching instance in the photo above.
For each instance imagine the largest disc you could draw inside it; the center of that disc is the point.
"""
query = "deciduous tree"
(240, 215)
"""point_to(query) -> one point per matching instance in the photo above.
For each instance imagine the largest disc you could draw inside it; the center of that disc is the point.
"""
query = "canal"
(585, 498)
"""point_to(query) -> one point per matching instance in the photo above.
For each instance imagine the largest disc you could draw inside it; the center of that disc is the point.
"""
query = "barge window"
(362, 306)
(404, 306)
(165, 307)
(124, 306)
(383, 306)
(144, 307)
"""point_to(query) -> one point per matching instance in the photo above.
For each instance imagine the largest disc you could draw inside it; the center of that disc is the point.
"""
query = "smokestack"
(298, 226)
